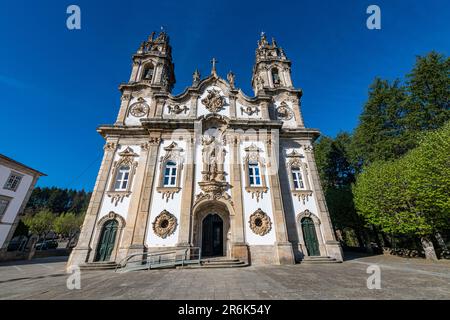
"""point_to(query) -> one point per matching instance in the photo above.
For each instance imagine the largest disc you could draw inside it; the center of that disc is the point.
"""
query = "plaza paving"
(401, 278)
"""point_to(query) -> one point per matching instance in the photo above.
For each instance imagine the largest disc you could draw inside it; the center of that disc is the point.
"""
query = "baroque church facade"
(211, 167)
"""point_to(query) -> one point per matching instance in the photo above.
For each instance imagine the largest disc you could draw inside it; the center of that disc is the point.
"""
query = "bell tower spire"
(272, 69)
(152, 63)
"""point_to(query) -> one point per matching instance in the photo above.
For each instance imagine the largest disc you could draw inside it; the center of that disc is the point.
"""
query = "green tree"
(68, 225)
(411, 195)
(379, 135)
(41, 223)
(337, 174)
(429, 89)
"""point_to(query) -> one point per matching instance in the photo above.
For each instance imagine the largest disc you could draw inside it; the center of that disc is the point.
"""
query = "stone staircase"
(91, 266)
(218, 262)
(318, 260)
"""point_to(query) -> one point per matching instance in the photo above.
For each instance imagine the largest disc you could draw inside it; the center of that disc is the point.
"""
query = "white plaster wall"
(201, 109)
(310, 203)
(131, 120)
(122, 207)
(17, 196)
(291, 123)
(159, 204)
(251, 205)
(240, 114)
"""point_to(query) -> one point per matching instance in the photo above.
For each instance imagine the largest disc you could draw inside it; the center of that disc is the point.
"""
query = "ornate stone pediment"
(213, 101)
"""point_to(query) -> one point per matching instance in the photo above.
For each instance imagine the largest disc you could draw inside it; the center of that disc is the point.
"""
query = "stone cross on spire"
(213, 68)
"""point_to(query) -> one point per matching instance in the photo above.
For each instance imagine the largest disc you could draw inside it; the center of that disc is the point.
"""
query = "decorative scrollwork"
(139, 109)
(260, 222)
(284, 112)
(165, 224)
(214, 102)
(249, 110)
(177, 109)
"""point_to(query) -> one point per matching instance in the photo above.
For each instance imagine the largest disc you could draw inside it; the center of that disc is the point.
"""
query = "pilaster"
(81, 253)
(285, 254)
(140, 229)
(332, 245)
(184, 236)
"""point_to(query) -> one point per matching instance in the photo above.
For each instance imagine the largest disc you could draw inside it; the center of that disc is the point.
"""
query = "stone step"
(98, 266)
(218, 263)
(318, 259)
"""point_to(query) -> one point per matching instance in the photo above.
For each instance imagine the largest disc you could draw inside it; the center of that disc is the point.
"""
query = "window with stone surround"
(122, 178)
(297, 172)
(148, 72)
(170, 174)
(297, 178)
(171, 166)
(13, 181)
(254, 168)
(123, 171)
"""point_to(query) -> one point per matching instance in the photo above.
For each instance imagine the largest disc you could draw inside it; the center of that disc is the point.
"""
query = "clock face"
(139, 109)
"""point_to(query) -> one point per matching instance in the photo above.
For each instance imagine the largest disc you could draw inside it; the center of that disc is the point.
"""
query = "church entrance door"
(107, 241)
(310, 237)
(212, 236)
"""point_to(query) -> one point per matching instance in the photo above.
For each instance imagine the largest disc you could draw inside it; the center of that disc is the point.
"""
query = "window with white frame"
(4, 203)
(170, 174)
(254, 174)
(297, 178)
(13, 181)
(122, 178)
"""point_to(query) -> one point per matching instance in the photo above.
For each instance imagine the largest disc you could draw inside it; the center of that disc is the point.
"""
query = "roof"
(21, 165)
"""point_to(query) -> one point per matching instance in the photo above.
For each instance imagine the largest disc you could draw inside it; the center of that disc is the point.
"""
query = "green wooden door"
(107, 241)
(310, 237)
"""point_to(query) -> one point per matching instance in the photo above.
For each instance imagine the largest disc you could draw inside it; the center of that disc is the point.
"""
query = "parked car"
(46, 244)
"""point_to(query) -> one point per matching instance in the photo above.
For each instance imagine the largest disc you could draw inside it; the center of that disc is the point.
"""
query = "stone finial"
(196, 77)
(230, 78)
(213, 67)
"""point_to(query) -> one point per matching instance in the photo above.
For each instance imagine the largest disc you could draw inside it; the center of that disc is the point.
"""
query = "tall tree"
(380, 132)
(429, 89)
(410, 195)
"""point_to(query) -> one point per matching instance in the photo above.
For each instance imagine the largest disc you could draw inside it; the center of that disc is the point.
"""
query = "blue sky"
(58, 85)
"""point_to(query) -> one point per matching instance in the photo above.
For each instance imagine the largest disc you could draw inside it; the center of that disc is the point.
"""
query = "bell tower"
(152, 63)
(272, 69)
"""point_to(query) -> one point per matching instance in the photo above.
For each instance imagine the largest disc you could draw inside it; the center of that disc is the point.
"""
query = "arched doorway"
(107, 240)
(212, 236)
(310, 237)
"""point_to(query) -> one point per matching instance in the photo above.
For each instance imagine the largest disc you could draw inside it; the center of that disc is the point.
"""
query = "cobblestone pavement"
(401, 278)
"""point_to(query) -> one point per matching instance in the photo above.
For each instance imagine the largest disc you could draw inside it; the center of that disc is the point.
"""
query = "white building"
(16, 184)
(210, 167)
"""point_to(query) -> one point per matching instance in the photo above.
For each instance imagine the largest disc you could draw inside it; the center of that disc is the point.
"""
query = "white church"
(209, 168)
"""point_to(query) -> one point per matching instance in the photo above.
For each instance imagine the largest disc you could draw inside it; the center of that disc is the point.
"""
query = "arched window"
(297, 178)
(170, 174)
(275, 77)
(254, 174)
(148, 73)
(122, 178)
